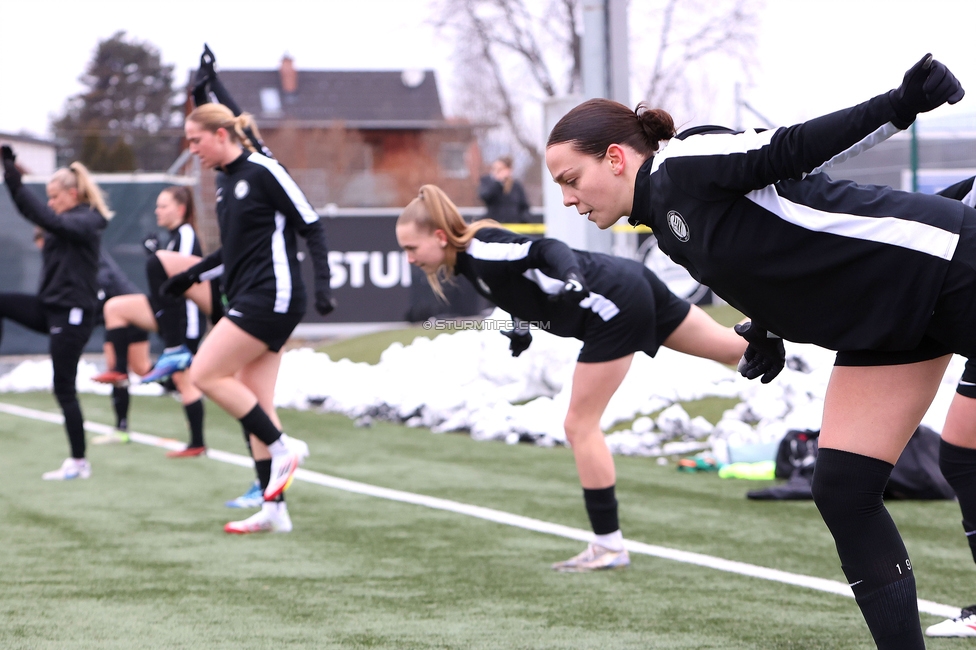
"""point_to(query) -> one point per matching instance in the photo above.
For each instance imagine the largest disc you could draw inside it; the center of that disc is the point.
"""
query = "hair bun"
(657, 124)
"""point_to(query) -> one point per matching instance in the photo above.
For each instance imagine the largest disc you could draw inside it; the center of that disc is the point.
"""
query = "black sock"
(601, 506)
(848, 489)
(170, 312)
(263, 469)
(120, 401)
(118, 338)
(258, 423)
(247, 438)
(194, 418)
(958, 465)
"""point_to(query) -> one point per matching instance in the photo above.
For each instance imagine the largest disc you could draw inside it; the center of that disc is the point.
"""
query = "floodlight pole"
(606, 73)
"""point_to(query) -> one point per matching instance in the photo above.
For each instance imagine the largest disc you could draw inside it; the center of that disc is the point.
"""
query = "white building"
(35, 155)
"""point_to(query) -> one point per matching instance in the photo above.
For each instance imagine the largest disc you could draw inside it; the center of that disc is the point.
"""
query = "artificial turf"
(135, 557)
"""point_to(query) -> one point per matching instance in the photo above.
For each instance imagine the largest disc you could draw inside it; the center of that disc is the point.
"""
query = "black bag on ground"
(916, 474)
(797, 450)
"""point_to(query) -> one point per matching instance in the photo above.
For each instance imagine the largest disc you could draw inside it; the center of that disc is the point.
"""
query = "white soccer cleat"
(594, 558)
(71, 468)
(963, 625)
(283, 466)
(272, 518)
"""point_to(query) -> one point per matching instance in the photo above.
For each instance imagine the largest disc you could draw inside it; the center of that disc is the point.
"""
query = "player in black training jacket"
(260, 211)
(64, 308)
(615, 306)
(885, 278)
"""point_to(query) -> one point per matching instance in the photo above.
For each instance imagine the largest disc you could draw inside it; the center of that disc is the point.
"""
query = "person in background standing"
(504, 196)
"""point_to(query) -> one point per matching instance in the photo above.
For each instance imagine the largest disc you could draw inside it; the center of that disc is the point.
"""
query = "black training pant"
(69, 330)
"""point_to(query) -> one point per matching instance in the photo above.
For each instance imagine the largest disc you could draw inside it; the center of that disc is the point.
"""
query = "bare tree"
(510, 55)
(696, 41)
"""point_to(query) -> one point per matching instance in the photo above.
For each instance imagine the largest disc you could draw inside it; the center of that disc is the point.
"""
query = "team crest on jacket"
(241, 189)
(678, 225)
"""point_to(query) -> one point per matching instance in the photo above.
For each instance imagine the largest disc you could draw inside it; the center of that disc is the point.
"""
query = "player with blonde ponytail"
(260, 211)
(66, 303)
(615, 306)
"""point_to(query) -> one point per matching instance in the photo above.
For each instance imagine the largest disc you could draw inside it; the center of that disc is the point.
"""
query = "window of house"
(452, 159)
(270, 101)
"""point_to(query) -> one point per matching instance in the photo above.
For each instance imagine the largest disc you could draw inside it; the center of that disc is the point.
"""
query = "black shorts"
(271, 328)
(649, 313)
(216, 301)
(928, 349)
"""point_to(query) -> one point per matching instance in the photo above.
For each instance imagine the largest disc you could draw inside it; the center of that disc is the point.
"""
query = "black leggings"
(69, 331)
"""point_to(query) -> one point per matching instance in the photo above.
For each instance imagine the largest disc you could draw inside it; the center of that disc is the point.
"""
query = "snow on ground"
(468, 381)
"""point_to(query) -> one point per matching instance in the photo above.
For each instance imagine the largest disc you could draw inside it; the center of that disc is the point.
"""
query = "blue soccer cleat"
(170, 361)
(253, 498)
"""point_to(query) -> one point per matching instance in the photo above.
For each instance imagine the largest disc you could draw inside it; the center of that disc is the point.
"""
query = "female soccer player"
(885, 278)
(615, 306)
(260, 210)
(64, 307)
(176, 319)
(113, 282)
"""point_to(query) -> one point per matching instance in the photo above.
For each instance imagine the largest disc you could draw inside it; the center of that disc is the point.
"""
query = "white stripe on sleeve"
(912, 235)
(187, 239)
(282, 271)
(287, 183)
(498, 251)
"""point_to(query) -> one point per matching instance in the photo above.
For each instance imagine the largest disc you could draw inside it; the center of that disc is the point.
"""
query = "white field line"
(497, 516)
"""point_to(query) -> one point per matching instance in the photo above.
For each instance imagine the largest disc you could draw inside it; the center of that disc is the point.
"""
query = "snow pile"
(468, 381)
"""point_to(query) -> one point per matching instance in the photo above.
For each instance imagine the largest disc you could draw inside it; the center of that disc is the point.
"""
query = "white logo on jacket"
(241, 189)
(678, 226)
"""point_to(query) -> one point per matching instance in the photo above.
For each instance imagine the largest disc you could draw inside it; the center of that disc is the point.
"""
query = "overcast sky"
(814, 55)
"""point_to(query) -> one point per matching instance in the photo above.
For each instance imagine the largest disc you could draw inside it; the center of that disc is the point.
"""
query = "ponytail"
(433, 210)
(77, 177)
(217, 116)
(597, 123)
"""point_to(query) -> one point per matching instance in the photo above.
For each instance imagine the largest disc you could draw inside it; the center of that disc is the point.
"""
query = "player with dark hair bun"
(885, 278)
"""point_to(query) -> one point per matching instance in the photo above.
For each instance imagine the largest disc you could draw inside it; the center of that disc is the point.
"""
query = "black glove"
(151, 243)
(178, 284)
(205, 74)
(206, 70)
(520, 338)
(573, 289)
(927, 85)
(765, 354)
(324, 302)
(11, 174)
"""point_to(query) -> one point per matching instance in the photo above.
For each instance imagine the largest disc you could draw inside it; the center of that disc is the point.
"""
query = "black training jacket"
(840, 265)
(183, 240)
(69, 276)
(260, 209)
(520, 275)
